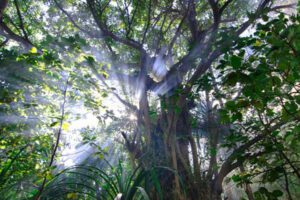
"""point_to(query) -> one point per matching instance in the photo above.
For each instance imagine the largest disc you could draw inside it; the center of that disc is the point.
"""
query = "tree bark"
(247, 186)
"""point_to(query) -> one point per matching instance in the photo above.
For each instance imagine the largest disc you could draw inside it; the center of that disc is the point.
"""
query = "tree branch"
(74, 23)
(176, 35)
(226, 4)
(205, 64)
(107, 33)
(100, 78)
(9, 34)
(193, 24)
(215, 9)
(3, 5)
(41, 189)
(21, 20)
(292, 5)
(148, 21)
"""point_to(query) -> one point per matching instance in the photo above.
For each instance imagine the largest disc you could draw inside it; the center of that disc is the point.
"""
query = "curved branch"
(9, 34)
(21, 20)
(73, 21)
(6, 32)
(275, 8)
(107, 33)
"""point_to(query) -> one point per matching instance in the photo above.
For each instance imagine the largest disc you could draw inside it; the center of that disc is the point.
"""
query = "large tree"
(168, 50)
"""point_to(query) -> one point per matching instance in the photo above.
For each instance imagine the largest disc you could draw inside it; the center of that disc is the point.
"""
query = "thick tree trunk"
(171, 141)
(172, 145)
(188, 168)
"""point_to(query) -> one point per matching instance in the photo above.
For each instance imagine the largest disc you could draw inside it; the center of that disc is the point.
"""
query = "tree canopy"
(169, 99)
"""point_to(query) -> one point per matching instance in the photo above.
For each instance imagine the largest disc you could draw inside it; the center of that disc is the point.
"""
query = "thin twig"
(57, 139)
(287, 185)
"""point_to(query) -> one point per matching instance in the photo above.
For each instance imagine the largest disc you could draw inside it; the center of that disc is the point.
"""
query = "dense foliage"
(129, 99)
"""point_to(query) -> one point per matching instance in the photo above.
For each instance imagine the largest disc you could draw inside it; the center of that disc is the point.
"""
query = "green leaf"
(265, 18)
(143, 193)
(105, 74)
(237, 116)
(231, 79)
(213, 151)
(90, 60)
(230, 105)
(236, 61)
(54, 124)
(236, 178)
(277, 193)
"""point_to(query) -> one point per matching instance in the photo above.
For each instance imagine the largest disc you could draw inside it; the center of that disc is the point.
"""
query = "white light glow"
(132, 117)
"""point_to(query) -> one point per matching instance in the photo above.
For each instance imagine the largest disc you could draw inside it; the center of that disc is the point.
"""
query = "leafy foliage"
(77, 181)
(197, 95)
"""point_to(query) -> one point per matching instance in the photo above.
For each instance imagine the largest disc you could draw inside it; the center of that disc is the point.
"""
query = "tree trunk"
(172, 145)
(247, 186)
(178, 117)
